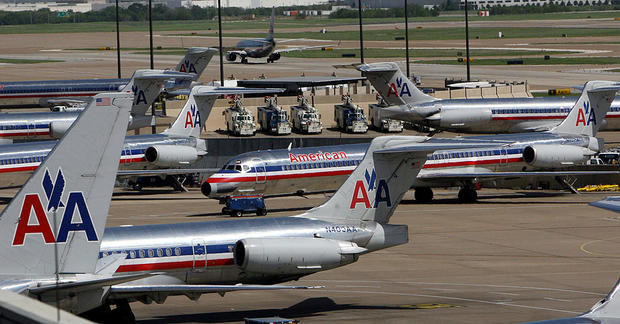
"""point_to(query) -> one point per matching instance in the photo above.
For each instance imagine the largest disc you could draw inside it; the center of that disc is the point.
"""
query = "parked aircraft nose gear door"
(199, 251)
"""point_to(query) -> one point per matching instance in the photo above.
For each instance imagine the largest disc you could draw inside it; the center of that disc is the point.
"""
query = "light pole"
(467, 40)
(118, 44)
(219, 22)
(359, 4)
(151, 32)
(407, 39)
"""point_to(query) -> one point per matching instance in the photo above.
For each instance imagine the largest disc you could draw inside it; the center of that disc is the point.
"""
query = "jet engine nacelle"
(231, 57)
(464, 118)
(59, 128)
(274, 56)
(293, 256)
(554, 156)
(170, 155)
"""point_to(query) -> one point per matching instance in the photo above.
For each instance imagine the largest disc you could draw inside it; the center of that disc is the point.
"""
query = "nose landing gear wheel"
(423, 194)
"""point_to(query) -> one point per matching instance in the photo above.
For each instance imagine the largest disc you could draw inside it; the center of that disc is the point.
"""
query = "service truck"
(272, 118)
(305, 118)
(239, 121)
(378, 121)
(350, 117)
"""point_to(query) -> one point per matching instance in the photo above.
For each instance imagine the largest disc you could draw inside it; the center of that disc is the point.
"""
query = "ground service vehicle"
(239, 121)
(350, 117)
(272, 118)
(305, 118)
(379, 121)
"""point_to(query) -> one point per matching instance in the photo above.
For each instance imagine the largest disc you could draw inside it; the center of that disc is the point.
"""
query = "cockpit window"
(230, 167)
(238, 167)
(246, 168)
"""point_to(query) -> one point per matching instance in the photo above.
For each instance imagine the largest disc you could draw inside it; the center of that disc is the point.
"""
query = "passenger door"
(261, 174)
(199, 251)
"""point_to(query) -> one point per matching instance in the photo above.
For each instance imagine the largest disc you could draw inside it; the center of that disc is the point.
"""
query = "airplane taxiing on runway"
(147, 85)
(265, 47)
(315, 169)
(46, 93)
(142, 155)
(480, 116)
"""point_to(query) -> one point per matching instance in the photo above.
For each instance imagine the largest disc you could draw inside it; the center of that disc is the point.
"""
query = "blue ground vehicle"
(236, 206)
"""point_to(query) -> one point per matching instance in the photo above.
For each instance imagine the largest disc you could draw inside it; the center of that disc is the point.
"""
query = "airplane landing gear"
(244, 60)
(468, 195)
(423, 194)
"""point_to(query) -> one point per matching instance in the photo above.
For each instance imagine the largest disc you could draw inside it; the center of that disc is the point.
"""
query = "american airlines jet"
(319, 169)
(147, 84)
(480, 116)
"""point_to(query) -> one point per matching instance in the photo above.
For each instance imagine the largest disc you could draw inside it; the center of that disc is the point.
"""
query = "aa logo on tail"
(40, 223)
(362, 191)
(583, 112)
(192, 117)
(139, 95)
(187, 67)
(399, 89)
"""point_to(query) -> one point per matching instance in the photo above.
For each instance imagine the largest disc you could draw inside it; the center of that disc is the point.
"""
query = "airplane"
(479, 116)
(319, 169)
(224, 255)
(54, 92)
(146, 84)
(142, 155)
(265, 47)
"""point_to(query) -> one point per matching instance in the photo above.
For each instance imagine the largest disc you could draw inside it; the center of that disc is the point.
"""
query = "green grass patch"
(437, 33)
(613, 70)
(535, 61)
(384, 53)
(281, 23)
(26, 61)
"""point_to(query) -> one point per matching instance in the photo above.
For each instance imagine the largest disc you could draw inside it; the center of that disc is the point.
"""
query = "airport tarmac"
(512, 257)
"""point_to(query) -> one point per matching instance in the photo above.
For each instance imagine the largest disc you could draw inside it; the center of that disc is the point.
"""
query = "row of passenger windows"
(40, 90)
(441, 156)
(529, 111)
(319, 165)
(22, 160)
(13, 127)
(146, 253)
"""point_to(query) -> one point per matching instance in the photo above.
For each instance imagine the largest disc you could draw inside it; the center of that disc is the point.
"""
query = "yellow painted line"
(427, 306)
(584, 249)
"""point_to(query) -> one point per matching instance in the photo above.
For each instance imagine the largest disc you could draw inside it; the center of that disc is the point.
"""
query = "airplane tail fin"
(271, 23)
(66, 200)
(387, 171)
(587, 114)
(194, 114)
(195, 61)
(146, 86)
(392, 84)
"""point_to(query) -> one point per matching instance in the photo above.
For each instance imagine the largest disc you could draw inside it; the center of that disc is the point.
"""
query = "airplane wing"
(496, 175)
(292, 49)
(610, 203)
(238, 52)
(128, 173)
(159, 293)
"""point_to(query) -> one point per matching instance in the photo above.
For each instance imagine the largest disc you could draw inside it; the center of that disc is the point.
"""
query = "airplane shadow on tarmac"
(270, 210)
(496, 199)
(310, 307)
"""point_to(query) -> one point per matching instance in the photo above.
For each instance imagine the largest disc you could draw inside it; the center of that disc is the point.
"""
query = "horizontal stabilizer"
(127, 173)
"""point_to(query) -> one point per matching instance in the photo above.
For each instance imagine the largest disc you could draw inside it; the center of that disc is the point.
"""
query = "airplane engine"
(170, 155)
(274, 57)
(293, 256)
(554, 156)
(59, 128)
(464, 118)
(231, 57)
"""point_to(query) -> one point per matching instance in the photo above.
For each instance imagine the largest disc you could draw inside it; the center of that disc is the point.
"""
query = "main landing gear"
(467, 195)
